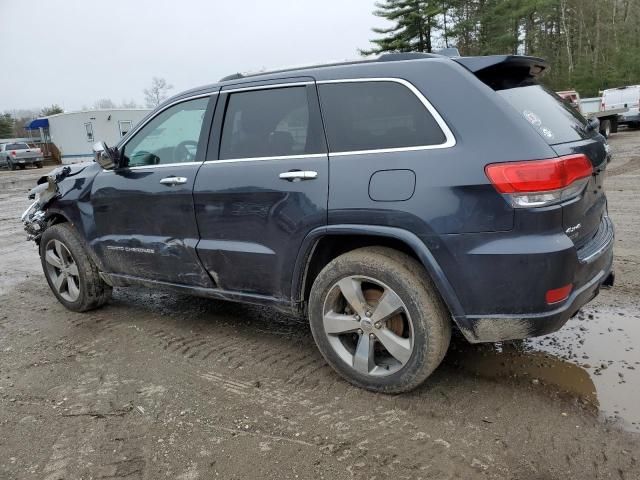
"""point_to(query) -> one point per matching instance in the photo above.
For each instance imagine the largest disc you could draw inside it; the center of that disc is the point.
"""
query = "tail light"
(13, 153)
(537, 183)
(603, 107)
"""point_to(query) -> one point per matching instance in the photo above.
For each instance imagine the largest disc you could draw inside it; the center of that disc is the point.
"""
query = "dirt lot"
(163, 386)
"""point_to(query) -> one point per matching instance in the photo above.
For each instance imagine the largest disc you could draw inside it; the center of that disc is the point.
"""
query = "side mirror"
(104, 156)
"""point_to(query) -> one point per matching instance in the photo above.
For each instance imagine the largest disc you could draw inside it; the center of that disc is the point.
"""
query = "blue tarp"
(38, 123)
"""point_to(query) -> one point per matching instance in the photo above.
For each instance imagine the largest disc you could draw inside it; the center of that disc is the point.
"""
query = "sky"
(74, 52)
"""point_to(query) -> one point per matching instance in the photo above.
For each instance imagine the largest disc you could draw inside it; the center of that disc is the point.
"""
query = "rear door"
(145, 223)
(263, 187)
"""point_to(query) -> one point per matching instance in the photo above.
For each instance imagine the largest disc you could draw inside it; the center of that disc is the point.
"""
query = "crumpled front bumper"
(34, 217)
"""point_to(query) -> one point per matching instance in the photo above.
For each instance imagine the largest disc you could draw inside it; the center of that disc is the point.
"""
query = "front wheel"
(72, 276)
(378, 320)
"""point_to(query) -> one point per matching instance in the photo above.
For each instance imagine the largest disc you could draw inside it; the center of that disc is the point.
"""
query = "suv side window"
(170, 137)
(274, 122)
(376, 115)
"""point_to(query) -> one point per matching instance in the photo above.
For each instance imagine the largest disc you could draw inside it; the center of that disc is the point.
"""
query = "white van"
(624, 97)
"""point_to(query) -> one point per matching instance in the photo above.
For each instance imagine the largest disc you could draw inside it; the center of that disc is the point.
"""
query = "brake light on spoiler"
(538, 183)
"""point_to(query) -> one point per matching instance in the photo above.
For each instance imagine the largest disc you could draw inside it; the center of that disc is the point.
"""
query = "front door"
(144, 215)
(263, 186)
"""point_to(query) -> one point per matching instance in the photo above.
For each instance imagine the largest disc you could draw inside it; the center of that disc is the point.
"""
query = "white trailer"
(74, 133)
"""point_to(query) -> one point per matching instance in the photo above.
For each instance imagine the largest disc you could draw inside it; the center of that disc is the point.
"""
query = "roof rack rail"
(399, 56)
(233, 76)
(385, 57)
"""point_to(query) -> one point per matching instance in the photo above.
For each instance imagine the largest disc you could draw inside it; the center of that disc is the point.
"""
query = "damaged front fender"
(34, 218)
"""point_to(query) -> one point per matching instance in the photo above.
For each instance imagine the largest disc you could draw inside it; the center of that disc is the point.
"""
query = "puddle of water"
(595, 357)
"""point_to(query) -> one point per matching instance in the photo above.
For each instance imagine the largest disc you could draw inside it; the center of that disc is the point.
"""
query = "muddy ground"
(157, 385)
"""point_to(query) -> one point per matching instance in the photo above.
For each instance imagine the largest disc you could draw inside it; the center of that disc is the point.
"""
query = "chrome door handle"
(297, 175)
(173, 181)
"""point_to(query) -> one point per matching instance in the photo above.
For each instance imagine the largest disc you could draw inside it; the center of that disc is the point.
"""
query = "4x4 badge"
(573, 229)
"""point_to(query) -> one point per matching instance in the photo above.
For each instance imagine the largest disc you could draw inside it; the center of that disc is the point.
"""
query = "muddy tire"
(11, 165)
(378, 320)
(71, 274)
(605, 128)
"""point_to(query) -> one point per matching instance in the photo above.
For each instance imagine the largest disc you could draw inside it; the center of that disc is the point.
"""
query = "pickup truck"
(608, 118)
(20, 154)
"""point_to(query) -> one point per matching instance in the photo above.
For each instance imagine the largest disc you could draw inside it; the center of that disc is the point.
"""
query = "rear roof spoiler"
(504, 71)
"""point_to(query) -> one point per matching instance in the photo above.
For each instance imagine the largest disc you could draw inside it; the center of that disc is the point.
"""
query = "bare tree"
(103, 103)
(157, 93)
(129, 104)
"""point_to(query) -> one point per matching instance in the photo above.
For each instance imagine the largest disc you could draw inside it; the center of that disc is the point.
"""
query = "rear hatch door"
(564, 129)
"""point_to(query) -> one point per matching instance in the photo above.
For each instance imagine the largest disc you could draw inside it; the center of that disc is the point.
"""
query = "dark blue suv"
(389, 200)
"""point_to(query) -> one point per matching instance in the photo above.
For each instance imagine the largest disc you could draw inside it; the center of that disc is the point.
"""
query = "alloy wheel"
(368, 325)
(62, 270)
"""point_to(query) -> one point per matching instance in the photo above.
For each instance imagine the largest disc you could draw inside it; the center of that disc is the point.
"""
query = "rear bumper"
(625, 119)
(587, 269)
(512, 327)
(27, 161)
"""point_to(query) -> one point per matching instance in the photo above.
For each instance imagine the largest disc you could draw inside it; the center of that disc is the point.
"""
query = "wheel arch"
(56, 216)
(325, 243)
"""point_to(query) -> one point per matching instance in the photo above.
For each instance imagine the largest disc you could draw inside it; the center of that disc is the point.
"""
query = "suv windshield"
(552, 118)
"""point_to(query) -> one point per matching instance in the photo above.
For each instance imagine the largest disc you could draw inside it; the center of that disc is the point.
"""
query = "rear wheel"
(39, 165)
(378, 320)
(605, 128)
(72, 276)
(22, 166)
(11, 165)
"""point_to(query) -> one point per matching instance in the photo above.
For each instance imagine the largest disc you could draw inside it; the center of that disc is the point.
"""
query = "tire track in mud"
(77, 453)
(268, 359)
(271, 356)
(386, 440)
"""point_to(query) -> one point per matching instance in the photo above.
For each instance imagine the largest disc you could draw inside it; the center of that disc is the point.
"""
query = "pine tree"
(52, 110)
(589, 44)
(415, 22)
(6, 125)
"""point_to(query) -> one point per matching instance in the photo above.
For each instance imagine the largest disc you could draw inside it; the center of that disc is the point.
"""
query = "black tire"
(614, 125)
(22, 166)
(605, 128)
(93, 291)
(11, 165)
(431, 321)
(39, 165)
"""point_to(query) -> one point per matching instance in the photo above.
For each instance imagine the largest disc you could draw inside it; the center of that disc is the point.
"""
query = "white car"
(622, 97)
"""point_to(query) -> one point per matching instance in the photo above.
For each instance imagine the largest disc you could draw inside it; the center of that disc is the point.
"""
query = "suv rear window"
(17, 146)
(549, 115)
(376, 115)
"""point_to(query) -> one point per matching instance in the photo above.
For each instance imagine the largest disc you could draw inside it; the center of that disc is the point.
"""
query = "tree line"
(590, 44)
